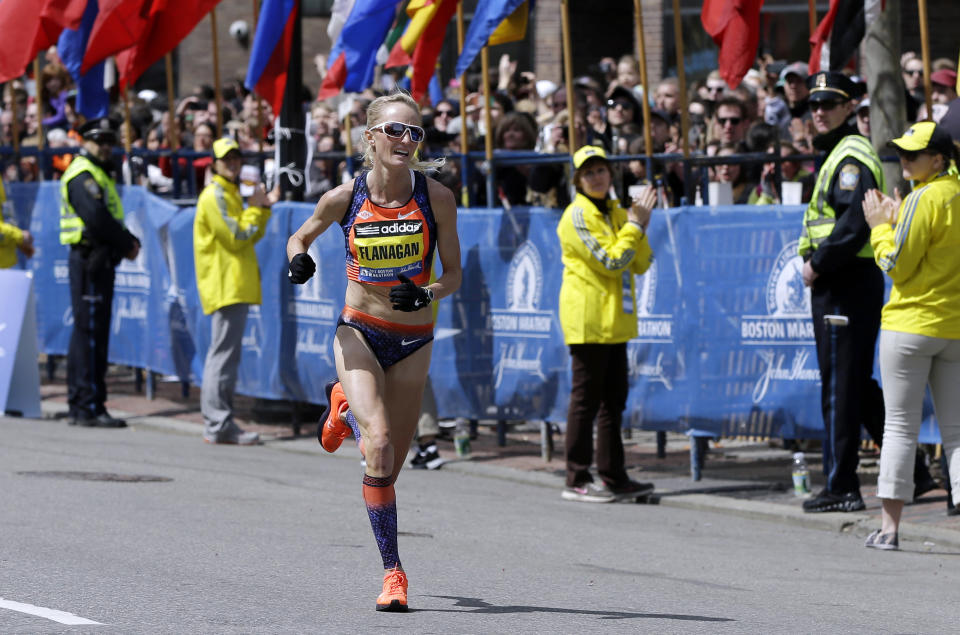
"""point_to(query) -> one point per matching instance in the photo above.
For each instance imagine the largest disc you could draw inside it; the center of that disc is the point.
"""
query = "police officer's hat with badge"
(831, 86)
(100, 130)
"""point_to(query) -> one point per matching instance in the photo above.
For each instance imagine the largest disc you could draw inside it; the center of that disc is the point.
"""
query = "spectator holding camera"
(228, 281)
(603, 246)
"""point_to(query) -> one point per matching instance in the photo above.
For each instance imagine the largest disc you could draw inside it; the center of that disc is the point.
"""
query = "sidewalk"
(746, 478)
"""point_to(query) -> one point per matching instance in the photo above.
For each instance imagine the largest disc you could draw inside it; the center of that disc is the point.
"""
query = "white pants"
(907, 364)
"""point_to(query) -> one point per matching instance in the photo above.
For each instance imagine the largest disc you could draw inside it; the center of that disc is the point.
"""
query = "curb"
(855, 523)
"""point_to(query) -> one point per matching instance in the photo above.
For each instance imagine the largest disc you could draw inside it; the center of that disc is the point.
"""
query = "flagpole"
(488, 122)
(487, 117)
(173, 138)
(645, 102)
(681, 79)
(39, 83)
(256, 16)
(568, 75)
(127, 141)
(812, 19)
(216, 71)
(348, 141)
(16, 121)
(925, 51)
(464, 145)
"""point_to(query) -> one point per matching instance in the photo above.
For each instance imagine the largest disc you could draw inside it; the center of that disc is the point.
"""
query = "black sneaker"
(631, 490)
(827, 502)
(427, 459)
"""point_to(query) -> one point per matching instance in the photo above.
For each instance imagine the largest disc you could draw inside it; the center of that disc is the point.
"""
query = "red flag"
(734, 26)
(428, 49)
(119, 25)
(32, 30)
(168, 26)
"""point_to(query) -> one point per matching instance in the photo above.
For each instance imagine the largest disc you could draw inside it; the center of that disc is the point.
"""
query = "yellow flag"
(513, 28)
(421, 12)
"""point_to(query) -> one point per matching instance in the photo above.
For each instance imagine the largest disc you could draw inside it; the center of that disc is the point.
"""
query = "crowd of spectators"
(766, 113)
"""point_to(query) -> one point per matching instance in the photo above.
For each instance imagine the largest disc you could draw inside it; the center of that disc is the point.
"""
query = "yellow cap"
(587, 152)
(222, 147)
(925, 135)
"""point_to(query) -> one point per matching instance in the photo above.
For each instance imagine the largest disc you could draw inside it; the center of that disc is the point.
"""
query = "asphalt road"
(275, 539)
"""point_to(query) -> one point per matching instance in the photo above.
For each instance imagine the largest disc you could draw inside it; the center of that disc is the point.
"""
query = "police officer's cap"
(831, 86)
(100, 130)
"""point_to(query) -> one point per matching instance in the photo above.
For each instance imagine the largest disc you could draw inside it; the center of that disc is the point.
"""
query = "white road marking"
(51, 614)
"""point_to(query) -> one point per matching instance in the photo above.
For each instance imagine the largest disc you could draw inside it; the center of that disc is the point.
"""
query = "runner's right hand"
(302, 268)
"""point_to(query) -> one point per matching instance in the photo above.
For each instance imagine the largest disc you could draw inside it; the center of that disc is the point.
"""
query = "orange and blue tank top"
(382, 242)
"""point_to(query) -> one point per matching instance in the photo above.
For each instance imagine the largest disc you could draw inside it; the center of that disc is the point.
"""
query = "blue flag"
(267, 70)
(92, 98)
(353, 57)
(486, 19)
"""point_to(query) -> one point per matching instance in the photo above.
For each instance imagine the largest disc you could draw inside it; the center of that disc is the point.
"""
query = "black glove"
(302, 268)
(408, 297)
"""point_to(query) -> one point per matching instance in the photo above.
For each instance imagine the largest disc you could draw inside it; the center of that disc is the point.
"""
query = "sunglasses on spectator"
(735, 121)
(715, 89)
(619, 103)
(825, 106)
(396, 130)
(914, 73)
(909, 155)
(443, 113)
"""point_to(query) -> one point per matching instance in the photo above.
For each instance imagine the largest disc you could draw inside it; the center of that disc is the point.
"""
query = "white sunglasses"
(396, 130)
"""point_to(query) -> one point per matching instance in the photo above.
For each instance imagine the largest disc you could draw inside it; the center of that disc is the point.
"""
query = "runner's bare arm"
(448, 242)
(330, 209)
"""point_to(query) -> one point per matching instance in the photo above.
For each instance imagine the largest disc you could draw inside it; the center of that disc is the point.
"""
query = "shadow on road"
(481, 606)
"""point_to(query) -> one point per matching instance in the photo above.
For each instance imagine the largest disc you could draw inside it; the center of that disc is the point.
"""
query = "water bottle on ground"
(801, 475)
(461, 437)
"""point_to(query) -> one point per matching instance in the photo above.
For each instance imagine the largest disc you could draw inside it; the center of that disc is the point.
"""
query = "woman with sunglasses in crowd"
(393, 218)
(916, 241)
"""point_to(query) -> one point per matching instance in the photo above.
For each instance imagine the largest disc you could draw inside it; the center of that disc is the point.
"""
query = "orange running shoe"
(333, 431)
(394, 596)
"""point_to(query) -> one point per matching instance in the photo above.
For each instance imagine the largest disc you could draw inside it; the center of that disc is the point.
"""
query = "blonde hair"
(375, 116)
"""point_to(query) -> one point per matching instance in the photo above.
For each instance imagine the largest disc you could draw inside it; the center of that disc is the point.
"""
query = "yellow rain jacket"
(921, 254)
(601, 254)
(224, 234)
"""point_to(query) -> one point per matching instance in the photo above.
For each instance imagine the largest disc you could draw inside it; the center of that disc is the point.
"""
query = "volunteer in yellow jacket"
(603, 247)
(228, 281)
(12, 237)
(917, 243)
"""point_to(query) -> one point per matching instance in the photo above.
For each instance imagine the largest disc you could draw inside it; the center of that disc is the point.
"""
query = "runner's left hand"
(407, 296)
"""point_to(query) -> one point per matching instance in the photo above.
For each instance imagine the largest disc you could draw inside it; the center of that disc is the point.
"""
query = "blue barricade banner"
(725, 344)
(499, 349)
(51, 271)
(662, 386)
(752, 341)
(309, 312)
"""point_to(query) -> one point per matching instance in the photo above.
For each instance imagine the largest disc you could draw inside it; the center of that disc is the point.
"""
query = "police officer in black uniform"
(91, 223)
(846, 291)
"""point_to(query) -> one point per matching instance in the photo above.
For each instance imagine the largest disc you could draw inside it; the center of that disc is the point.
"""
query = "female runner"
(393, 218)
